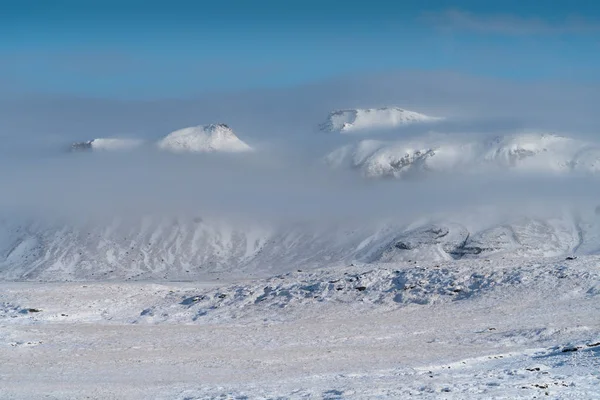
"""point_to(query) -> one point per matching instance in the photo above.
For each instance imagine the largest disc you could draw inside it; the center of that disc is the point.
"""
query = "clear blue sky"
(150, 49)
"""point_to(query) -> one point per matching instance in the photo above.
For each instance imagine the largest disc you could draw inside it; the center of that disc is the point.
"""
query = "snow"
(186, 248)
(455, 329)
(443, 154)
(107, 144)
(202, 139)
(356, 120)
(452, 304)
(153, 248)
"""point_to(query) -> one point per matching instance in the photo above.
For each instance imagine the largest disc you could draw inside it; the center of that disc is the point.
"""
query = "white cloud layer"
(507, 24)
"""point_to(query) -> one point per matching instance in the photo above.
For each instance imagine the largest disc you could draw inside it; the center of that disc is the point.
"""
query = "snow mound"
(527, 152)
(204, 139)
(353, 120)
(106, 144)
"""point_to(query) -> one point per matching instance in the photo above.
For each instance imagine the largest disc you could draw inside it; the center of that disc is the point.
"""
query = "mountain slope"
(194, 248)
(527, 152)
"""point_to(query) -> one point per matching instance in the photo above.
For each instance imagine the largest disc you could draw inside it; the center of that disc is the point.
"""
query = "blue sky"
(152, 49)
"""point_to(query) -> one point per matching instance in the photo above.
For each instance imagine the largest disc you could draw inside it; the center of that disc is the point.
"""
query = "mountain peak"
(204, 139)
(354, 120)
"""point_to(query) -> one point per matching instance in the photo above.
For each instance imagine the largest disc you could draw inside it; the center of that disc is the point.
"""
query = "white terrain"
(467, 302)
(481, 329)
(107, 144)
(357, 120)
(445, 154)
(196, 139)
(203, 139)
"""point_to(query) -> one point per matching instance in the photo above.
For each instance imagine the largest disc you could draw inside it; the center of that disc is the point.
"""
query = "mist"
(278, 116)
(285, 179)
(87, 186)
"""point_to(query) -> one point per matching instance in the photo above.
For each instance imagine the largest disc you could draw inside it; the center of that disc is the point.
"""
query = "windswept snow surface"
(445, 154)
(356, 120)
(453, 330)
(204, 139)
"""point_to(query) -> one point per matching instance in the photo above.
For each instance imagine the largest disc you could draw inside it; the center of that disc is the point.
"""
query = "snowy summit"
(353, 120)
(204, 139)
(526, 152)
(106, 144)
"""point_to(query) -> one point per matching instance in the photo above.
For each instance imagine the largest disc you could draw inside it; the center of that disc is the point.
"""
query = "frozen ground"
(449, 329)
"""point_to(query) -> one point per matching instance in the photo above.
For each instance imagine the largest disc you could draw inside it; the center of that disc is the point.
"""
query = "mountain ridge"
(441, 154)
(361, 119)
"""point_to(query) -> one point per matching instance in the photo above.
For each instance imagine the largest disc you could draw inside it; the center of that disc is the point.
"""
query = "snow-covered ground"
(452, 329)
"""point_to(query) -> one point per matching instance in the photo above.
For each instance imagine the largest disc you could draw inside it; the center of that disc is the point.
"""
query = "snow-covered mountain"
(169, 247)
(194, 248)
(107, 144)
(528, 152)
(203, 139)
(356, 120)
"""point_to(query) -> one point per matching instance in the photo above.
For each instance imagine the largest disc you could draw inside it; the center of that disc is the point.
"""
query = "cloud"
(507, 24)
(288, 116)
(284, 180)
(104, 186)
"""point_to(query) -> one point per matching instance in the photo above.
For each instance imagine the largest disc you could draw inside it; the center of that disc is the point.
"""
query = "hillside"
(195, 248)
(444, 154)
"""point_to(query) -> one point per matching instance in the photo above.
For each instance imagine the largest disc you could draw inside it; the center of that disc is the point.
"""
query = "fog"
(285, 178)
(83, 186)
(281, 115)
